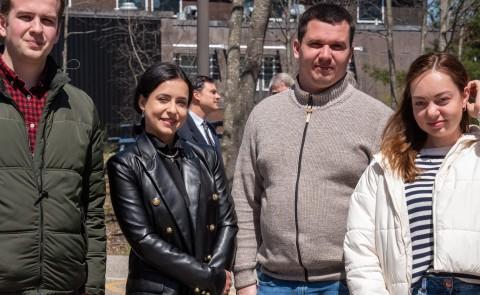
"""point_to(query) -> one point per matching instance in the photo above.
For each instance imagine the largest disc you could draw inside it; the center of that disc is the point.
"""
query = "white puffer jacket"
(378, 250)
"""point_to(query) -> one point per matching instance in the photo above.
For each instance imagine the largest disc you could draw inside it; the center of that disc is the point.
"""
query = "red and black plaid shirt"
(29, 102)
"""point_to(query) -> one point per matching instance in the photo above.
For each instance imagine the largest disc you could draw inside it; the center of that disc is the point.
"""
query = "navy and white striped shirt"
(419, 205)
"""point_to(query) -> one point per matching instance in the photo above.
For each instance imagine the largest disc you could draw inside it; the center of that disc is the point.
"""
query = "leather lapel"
(192, 177)
(192, 169)
(166, 188)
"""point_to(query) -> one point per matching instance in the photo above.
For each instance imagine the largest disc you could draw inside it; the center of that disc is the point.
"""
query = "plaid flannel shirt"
(30, 103)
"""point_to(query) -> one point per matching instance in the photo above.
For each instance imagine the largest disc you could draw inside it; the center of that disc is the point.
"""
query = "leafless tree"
(444, 22)
(65, 39)
(454, 16)
(424, 29)
(285, 25)
(392, 69)
(67, 33)
(232, 102)
(134, 43)
(240, 95)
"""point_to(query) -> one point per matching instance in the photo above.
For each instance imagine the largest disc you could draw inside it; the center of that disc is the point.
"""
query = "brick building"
(172, 29)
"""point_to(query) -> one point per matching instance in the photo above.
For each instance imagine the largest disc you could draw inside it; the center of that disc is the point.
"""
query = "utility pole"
(202, 38)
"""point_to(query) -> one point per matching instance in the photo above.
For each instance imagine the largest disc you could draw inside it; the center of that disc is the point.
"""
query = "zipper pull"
(309, 112)
(309, 109)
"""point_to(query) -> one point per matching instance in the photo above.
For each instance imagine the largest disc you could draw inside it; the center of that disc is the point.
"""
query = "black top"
(171, 157)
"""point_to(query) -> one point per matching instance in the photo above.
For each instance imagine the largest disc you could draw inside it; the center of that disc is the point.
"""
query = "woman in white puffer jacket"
(414, 220)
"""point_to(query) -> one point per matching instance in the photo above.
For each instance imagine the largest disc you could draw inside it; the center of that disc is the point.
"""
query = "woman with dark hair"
(414, 224)
(171, 197)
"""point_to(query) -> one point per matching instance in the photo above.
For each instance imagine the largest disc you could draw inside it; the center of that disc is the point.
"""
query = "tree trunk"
(287, 28)
(289, 61)
(391, 54)
(65, 40)
(232, 81)
(222, 69)
(424, 29)
(241, 99)
(460, 42)
(253, 57)
(442, 40)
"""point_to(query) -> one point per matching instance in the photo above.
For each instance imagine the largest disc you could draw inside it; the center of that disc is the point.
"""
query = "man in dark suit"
(205, 100)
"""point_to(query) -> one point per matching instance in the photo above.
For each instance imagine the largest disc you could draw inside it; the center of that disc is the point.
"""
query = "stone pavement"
(117, 270)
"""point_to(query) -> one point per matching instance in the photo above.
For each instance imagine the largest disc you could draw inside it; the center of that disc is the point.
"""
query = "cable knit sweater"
(293, 182)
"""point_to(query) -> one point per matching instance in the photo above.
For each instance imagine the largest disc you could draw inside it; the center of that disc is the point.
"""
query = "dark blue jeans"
(271, 286)
(444, 286)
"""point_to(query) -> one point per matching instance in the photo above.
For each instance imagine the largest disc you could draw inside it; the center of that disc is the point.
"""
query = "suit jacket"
(176, 248)
(190, 132)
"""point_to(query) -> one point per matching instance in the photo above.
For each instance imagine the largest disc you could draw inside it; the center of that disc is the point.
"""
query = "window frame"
(372, 21)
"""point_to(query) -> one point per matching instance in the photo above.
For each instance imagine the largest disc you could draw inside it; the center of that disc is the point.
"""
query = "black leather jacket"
(176, 249)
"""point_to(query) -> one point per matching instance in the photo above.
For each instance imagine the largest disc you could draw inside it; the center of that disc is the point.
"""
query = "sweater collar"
(335, 93)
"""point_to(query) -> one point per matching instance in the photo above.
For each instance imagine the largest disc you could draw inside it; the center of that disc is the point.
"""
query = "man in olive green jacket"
(52, 232)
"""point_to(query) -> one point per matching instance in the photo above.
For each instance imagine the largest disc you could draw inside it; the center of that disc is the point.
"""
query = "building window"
(148, 5)
(166, 5)
(370, 11)
(280, 9)
(270, 67)
(188, 63)
(132, 4)
(406, 3)
(214, 69)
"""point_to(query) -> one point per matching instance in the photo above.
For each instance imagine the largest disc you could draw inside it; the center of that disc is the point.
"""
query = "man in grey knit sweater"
(302, 153)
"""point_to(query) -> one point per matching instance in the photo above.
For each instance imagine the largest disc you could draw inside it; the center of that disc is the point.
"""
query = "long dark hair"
(403, 138)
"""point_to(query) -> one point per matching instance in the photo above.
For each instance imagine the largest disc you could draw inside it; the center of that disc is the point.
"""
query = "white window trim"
(262, 84)
(375, 21)
(146, 4)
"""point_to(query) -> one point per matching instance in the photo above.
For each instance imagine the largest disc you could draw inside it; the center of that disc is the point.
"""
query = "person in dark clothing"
(205, 101)
(171, 197)
(52, 188)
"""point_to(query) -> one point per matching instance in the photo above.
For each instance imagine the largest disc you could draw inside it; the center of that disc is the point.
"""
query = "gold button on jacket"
(156, 201)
